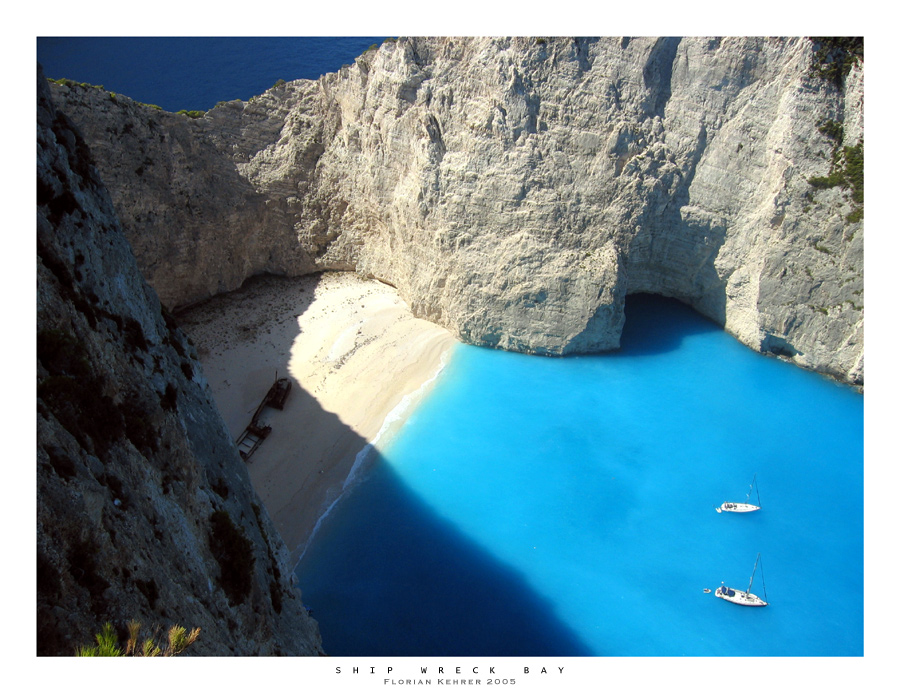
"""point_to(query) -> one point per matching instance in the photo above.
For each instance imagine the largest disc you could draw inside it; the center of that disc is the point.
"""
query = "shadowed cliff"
(144, 509)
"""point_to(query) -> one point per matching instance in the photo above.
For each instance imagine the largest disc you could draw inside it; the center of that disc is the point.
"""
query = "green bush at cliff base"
(177, 641)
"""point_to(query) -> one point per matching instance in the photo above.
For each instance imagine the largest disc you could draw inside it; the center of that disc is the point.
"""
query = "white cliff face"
(516, 190)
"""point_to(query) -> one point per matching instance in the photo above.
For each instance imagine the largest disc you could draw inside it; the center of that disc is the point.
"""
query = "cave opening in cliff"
(656, 324)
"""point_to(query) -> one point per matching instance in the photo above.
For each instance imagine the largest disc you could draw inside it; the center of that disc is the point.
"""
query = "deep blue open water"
(545, 506)
(195, 73)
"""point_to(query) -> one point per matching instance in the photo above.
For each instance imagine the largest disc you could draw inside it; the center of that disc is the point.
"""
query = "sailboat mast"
(753, 574)
(763, 574)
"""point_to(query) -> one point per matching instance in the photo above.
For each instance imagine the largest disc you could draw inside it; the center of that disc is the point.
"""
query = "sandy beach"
(356, 356)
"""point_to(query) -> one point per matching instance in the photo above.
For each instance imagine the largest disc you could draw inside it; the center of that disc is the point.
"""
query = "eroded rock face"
(515, 190)
(144, 509)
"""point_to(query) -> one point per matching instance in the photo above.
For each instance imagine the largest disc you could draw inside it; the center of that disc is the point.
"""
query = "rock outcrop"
(144, 509)
(515, 190)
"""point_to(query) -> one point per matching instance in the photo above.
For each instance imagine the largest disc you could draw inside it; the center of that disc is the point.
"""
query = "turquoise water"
(565, 507)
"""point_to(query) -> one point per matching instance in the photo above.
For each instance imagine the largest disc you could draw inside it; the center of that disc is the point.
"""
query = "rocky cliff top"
(515, 190)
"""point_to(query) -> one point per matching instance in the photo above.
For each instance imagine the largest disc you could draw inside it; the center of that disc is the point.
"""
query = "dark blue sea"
(537, 506)
(195, 73)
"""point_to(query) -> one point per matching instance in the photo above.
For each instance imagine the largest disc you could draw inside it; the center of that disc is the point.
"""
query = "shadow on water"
(656, 325)
(386, 576)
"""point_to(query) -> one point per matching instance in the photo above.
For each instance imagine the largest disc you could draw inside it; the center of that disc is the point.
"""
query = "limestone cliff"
(516, 189)
(144, 509)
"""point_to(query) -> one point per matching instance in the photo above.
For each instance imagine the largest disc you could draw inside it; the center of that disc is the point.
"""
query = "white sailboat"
(747, 507)
(741, 597)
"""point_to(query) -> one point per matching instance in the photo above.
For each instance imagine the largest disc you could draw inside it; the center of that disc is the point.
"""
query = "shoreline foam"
(360, 363)
(392, 424)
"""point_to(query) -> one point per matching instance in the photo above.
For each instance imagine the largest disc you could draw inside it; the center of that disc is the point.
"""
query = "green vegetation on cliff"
(846, 172)
(846, 168)
(177, 641)
(835, 56)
